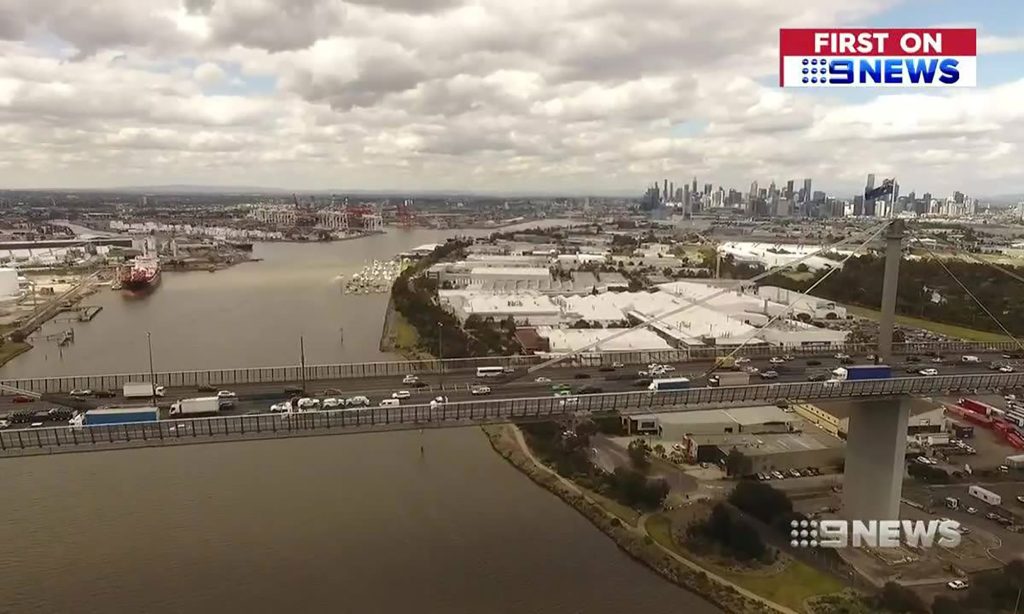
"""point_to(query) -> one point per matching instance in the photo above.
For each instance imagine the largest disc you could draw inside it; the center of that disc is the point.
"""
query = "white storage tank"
(1016, 461)
(8, 283)
(985, 495)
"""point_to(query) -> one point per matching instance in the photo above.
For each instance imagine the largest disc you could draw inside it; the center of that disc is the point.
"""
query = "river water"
(360, 523)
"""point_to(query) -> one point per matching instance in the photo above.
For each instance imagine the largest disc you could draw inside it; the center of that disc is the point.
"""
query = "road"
(457, 385)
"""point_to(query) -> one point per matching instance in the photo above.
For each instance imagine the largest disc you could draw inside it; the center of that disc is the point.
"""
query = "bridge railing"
(293, 373)
(228, 428)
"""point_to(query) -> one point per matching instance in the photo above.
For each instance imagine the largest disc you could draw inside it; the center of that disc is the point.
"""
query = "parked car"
(794, 473)
(971, 510)
(480, 390)
(958, 585)
(778, 475)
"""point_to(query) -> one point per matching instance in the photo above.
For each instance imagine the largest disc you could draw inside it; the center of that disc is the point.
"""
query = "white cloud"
(485, 94)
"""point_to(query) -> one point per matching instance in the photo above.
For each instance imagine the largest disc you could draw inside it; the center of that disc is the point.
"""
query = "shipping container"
(196, 406)
(963, 431)
(117, 415)
(725, 378)
(985, 495)
(1016, 461)
(976, 406)
(866, 372)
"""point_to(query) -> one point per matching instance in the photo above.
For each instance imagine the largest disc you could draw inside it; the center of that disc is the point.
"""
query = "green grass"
(11, 349)
(950, 330)
(622, 512)
(790, 587)
(405, 335)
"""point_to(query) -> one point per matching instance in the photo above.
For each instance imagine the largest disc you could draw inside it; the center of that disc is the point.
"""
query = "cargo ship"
(142, 275)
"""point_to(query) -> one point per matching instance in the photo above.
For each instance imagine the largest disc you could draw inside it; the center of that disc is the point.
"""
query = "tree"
(735, 463)
(639, 454)
(659, 449)
(946, 605)
(897, 598)
(761, 501)
(802, 268)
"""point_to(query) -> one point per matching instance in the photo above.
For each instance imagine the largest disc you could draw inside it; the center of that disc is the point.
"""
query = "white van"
(390, 403)
(966, 358)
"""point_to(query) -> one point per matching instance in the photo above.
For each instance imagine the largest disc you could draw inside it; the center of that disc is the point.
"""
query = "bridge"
(20, 442)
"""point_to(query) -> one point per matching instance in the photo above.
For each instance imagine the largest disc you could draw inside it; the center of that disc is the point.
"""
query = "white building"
(772, 255)
(279, 216)
(812, 306)
(525, 307)
(564, 340)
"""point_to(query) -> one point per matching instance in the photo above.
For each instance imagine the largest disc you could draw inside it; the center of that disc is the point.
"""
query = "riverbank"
(12, 349)
(629, 533)
(397, 336)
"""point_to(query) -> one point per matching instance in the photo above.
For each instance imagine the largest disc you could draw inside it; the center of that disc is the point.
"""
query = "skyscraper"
(789, 189)
(693, 188)
(664, 191)
(807, 190)
(870, 185)
(707, 188)
(753, 189)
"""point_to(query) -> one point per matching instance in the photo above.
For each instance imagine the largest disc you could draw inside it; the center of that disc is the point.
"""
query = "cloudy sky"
(595, 96)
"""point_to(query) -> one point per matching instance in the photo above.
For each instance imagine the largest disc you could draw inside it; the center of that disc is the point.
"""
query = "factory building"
(833, 417)
(9, 288)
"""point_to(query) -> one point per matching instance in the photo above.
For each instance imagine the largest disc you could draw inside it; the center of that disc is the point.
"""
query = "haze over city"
(536, 96)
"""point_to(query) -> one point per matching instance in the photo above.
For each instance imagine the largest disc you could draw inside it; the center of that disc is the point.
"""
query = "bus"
(489, 371)
(672, 383)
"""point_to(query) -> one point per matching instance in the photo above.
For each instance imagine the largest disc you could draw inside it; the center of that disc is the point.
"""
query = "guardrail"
(261, 426)
(293, 373)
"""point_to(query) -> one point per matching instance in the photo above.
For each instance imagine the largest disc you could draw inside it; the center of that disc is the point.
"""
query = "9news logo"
(944, 57)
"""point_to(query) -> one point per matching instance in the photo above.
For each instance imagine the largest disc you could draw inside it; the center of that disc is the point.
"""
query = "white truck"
(969, 358)
(196, 406)
(985, 495)
(141, 390)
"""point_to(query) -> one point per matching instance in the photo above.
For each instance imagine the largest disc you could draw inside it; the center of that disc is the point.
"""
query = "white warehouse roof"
(568, 340)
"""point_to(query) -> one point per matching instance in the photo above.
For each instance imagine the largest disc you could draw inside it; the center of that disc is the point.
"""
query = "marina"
(374, 278)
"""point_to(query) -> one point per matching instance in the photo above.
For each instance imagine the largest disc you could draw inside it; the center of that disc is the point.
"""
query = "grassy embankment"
(400, 337)
(10, 349)
(609, 516)
(792, 586)
(950, 330)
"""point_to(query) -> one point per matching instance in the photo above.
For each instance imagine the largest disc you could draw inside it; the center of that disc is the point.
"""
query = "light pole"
(152, 374)
(302, 362)
(440, 355)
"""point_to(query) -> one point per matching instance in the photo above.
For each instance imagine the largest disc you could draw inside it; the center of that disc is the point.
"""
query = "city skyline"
(592, 97)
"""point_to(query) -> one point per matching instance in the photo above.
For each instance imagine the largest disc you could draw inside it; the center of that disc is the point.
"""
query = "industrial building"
(768, 452)
(771, 255)
(9, 288)
(833, 417)
(675, 426)
(564, 340)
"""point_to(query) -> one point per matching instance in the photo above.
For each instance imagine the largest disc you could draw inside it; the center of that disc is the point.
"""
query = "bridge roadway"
(20, 442)
(456, 385)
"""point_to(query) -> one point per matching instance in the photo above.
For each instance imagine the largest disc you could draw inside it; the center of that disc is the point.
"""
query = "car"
(971, 510)
(207, 388)
(992, 516)
(817, 377)
(307, 403)
(769, 374)
(794, 473)
(332, 392)
(226, 394)
(480, 390)
(543, 380)
(617, 365)
(776, 360)
(751, 370)
(1020, 499)
(788, 357)
(357, 401)
(104, 394)
(81, 392)
(21, 398)
(846, 361)
(569, 401)
(389, 403)
(912, 369)
(563, 393)
(5, 424)
(401, 394)
(332, 403)
(1004, 469)
(778, 475)
(508, 370)
(644, 373)
(557, 387)
(841, 356)
(782, 404)
(667, 368)
(1006, 369)
(929, 372)
(742, 360)
(281, 407)
(582, 376)
(937, 360)
(420, 384)
(813, 363)
(957, 585)
(911, 359)
(410, 379)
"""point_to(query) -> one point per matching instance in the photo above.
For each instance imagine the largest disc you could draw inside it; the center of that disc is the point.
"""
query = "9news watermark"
(874, 533)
